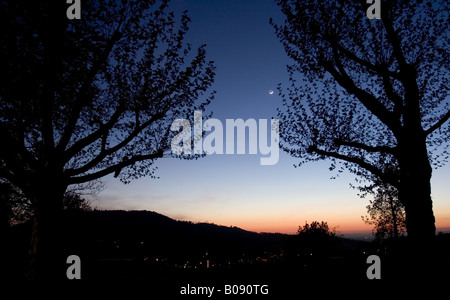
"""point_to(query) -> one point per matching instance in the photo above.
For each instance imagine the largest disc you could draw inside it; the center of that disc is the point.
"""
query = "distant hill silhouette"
(146, 245)
(117, 241)
(149, 236)
(120, 233)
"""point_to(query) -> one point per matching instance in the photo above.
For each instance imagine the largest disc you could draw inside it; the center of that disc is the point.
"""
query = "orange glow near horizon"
(343, 223)
(341, 226)
(291, 226)
(348, 225)
(259, 201)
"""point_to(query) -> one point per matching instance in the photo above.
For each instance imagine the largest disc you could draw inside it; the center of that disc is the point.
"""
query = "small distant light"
(271, 92)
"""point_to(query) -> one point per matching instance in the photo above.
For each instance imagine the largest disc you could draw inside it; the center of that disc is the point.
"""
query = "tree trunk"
(394, 215)
(415, 168)
(415, 192)
(415, 187)
(420, 223)
(46, 257)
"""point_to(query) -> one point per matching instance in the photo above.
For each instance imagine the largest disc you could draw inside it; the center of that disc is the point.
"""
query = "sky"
(234, 189)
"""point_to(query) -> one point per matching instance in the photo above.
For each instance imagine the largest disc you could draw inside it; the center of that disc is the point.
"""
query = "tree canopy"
(371, 94)
(386, 213)
(97, 95)
(88, 97)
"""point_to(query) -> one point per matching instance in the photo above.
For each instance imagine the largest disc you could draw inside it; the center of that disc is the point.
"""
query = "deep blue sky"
(235, 189)
(250, 60)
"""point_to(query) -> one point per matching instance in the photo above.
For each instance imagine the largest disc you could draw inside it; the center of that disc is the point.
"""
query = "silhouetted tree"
(74, 202)
(316, 229)
(372, 94)
(316, 238)
(81, 99)
(386, 213)
(17, 209)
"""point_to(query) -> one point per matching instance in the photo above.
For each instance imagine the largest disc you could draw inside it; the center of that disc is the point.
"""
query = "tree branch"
(105, 152)
(16, 157)
(115, 168)
(439, 123)
(104, 129)
(80, 99)
(393, 96)
(393, 38)
(380, 69)
(385, 149)
(358, 161)
(368, 100)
